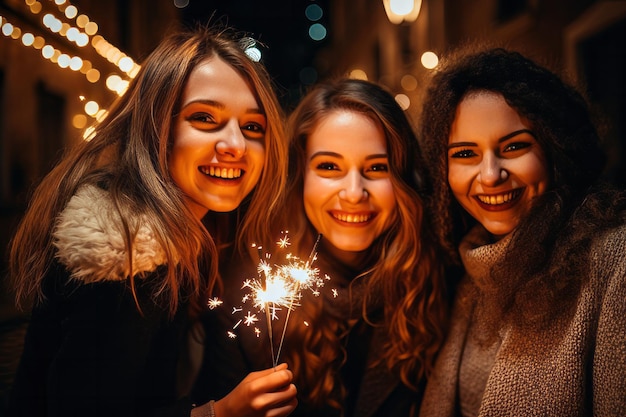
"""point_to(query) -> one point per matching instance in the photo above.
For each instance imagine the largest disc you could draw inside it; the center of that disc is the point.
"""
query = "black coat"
(88, 350)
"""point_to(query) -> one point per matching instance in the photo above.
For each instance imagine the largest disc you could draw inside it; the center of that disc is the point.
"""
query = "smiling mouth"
(223, 173)
(353, 218)
(499, 201)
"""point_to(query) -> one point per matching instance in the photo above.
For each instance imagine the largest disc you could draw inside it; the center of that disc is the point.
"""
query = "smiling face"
(218, 151)
(495, 164)
(348, 195)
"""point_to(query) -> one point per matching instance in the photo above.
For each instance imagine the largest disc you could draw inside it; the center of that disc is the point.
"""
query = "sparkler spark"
(214, 302)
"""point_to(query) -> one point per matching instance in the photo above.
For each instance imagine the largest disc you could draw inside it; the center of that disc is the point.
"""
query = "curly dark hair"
(547, 258)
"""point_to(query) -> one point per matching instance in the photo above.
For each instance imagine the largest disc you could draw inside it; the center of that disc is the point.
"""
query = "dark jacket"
(89, 351)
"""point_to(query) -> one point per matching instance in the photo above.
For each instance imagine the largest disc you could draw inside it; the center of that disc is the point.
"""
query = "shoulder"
(608, 249)
(90, 241)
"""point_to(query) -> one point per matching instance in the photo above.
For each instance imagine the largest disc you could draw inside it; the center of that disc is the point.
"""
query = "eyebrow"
(337, 155)
(219, 105)
(502, 139)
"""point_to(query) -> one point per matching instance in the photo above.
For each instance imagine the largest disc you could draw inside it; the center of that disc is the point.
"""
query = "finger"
(259, 374)
(276, 399)
(283, 409)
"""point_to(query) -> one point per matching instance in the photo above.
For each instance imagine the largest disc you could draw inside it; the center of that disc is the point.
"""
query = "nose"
(232, 143)
(491, 170)
(354, 188)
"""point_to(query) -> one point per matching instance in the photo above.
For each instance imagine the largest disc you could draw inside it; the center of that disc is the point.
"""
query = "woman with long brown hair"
(113, 251)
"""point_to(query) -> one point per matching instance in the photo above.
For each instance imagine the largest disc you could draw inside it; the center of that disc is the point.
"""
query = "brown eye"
(326, 166)
(464, 153)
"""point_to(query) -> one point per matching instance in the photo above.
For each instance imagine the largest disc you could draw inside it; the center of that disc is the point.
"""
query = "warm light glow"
(71, 12)
(399, 11)
(79, 121)
(408, 82)
(64, 61)
(358, 74)
(125, 64)
(429, 60)
(36, 7)
(17, 33)
(47, 51)
(82, 21)
(39, 42)
(93, 75)
(91, 28)
(28, 39)
(7, 29)
(403, 101)
(86, 66)
(89, 133)
(91, 108)
(76, 63)
(101, 114)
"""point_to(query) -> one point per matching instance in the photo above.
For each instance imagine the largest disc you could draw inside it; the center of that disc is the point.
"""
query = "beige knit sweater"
(582, 374)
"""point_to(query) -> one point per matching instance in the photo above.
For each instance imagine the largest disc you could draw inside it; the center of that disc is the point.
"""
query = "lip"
(499, 201)
(352, 219)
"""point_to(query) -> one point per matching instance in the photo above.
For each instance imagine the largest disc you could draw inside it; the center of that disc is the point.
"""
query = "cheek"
(311, 191)
(538, 175)
(387, 197)
(457, 180)
(256, 155)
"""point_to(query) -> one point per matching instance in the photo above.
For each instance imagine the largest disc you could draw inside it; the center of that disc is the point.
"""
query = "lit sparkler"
(278, 287)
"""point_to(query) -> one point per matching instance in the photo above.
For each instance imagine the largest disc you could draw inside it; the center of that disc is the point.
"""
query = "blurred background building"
(63, 62)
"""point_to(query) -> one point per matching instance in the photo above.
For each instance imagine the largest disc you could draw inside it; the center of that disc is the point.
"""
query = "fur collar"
(90, 243)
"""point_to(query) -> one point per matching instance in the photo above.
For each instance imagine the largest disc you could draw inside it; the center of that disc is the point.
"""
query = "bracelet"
(212, 408)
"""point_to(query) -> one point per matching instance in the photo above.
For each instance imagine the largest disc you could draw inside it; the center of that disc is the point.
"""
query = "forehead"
(348, 133)
(215, 79)
(483, 115)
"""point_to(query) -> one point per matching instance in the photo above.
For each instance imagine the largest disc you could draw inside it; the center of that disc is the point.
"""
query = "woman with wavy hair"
(516, 165)
(371, 337)
(113, 251)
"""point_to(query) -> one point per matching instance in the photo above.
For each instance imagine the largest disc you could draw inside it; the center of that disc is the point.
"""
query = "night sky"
(280, 25)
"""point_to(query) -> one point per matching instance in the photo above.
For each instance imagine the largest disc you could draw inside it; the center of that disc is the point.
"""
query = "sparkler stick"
(268, 316)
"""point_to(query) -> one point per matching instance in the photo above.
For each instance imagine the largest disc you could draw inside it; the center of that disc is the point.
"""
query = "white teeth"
(497, 199)
(352, 218)
(221, 172)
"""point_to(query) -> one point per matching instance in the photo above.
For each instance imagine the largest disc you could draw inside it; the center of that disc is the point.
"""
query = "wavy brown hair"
(128, 155)
(548, 258)
(405, 269)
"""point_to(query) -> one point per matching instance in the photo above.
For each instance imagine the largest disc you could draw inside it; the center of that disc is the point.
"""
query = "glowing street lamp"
(399, 11)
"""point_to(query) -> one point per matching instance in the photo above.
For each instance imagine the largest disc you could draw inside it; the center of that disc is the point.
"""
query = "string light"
(80, 30)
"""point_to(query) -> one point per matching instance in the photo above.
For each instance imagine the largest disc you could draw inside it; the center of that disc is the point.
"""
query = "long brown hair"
(406, 269)
(128, 155)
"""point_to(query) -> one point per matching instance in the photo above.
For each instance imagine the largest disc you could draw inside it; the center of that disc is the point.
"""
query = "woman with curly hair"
(516, 165)
(113, 249)
(371, 337)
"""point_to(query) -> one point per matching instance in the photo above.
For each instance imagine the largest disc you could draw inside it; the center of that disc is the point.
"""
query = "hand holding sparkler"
(259, 393)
